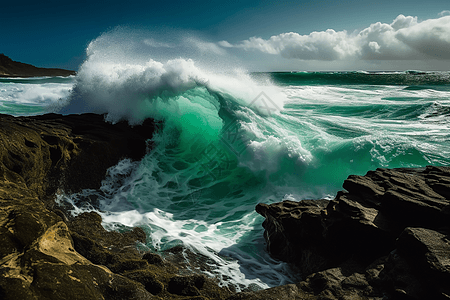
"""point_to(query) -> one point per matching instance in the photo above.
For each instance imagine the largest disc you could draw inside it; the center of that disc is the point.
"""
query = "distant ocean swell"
(405, 78)
(231, 140)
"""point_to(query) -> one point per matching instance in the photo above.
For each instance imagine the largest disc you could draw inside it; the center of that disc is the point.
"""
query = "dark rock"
(398, 278)
(124, 288)
(295, 225)
(37, 254)
(152, 258)
(428, 251)
(148, 279)
(61, 151)
(387, 235)
(428, 248)
(288, 291)
(115, 250)
(186, 285)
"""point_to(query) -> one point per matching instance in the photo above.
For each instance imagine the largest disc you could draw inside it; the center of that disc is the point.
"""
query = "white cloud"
(374, 47)
(431, 37)
(225, 44)
(403, 22)
(404, 39)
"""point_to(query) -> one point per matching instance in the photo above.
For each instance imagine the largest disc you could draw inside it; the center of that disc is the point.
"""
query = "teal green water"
(230, 142)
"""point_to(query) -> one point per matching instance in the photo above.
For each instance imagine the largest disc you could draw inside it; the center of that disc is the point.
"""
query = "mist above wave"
(127, 71)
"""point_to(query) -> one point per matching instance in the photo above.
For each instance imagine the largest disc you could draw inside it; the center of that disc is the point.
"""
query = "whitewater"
(231, 139)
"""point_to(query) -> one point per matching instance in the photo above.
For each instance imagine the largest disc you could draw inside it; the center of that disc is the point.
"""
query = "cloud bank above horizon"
(404, 39)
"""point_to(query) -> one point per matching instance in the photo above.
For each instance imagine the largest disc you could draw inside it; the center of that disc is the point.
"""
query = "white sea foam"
(31, 93)
(223, 240)
(123, 78)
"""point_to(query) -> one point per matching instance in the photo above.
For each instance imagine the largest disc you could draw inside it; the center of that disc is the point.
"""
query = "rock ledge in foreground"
(386, 237)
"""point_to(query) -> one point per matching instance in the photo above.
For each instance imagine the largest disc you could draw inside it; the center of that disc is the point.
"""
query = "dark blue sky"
(56, 33)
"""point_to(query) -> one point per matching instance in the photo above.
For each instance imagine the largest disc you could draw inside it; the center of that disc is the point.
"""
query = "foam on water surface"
(30, 96)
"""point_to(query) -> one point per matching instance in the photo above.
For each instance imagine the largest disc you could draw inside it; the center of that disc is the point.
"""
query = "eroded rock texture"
(387, 235)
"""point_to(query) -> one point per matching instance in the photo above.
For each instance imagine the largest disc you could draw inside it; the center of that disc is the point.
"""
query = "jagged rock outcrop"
(11, 68)
(45, 254)
(387, 235)
(38, 156)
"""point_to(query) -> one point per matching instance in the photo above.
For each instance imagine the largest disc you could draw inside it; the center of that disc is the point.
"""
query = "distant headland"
(11, 68)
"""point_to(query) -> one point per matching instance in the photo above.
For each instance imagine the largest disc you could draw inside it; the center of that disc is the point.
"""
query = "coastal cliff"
(10, 68)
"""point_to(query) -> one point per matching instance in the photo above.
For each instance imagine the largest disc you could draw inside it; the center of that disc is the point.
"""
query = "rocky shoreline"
(385, 237)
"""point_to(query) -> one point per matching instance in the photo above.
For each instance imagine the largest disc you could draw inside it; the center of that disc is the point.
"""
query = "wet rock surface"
(47, 254)
(386, 237)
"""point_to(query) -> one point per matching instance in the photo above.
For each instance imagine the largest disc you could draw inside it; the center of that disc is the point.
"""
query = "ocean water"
(233, 139)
